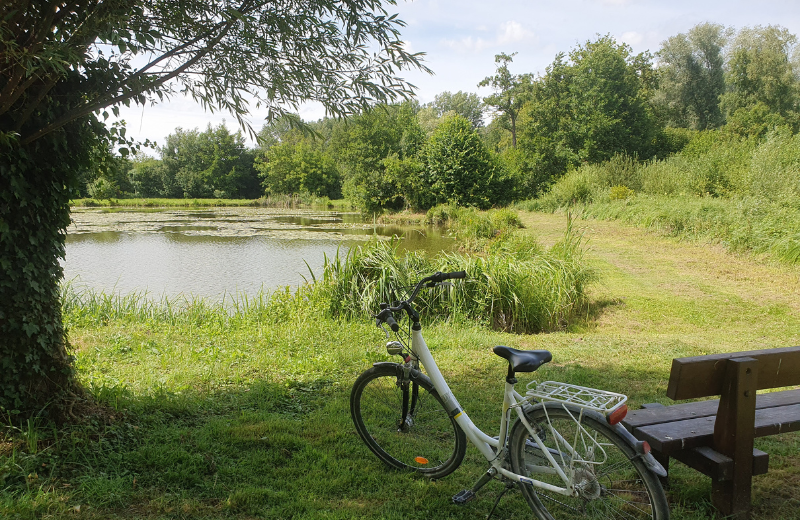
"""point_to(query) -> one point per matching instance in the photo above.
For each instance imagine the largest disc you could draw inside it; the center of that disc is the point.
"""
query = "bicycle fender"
(636, 445)
(413, 374)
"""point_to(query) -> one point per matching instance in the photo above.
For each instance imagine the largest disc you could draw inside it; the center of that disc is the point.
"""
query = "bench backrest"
(703, 376)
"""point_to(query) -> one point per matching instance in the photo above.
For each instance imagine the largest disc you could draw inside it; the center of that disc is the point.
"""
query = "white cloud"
(514, 32)
(632, 38)
(507, 34)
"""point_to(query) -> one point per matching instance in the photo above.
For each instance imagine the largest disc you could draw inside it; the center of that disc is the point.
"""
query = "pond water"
(215, 252)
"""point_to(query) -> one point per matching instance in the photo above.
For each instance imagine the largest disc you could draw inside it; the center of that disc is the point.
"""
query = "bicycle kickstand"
(509, 485)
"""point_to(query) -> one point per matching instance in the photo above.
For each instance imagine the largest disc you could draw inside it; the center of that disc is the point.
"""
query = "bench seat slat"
(638, 418)
(692, 433)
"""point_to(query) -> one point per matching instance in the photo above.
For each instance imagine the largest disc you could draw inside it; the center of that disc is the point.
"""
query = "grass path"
(661, 298)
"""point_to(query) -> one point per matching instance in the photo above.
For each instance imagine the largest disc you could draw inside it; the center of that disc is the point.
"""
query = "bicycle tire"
(619, 487)
(427, 440)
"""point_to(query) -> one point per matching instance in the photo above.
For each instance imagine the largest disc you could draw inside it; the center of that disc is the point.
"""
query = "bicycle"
(565, 451)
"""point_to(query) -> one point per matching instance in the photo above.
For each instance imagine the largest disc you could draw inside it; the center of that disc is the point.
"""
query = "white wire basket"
(591, 398)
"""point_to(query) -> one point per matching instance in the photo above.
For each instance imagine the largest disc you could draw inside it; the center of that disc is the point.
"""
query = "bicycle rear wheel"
(610, 482)
(404, 422)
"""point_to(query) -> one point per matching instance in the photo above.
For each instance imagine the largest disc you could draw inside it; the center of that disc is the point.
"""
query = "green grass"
(743, 194)
(241, 410)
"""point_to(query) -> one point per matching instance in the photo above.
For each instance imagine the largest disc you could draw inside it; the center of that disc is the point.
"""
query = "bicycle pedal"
(464, 496)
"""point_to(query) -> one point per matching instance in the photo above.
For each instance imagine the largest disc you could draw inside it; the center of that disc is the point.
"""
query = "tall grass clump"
(521, 289)
(88, 307)
(742, 193)
(475, 229)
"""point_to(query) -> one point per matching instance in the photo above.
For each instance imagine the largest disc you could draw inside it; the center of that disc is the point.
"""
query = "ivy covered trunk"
(36, 373)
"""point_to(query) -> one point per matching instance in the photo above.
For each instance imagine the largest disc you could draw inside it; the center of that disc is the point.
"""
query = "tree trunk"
(36, 372)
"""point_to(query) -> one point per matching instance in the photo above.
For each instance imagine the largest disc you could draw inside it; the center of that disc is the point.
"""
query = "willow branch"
(32, 106)
(103, 102)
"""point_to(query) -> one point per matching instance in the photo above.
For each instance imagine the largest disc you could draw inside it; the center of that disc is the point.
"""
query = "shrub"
(103, 188)
(461, 170)
(620, 193)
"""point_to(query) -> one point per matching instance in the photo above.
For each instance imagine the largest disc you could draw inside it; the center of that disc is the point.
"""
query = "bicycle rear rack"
(591, 398)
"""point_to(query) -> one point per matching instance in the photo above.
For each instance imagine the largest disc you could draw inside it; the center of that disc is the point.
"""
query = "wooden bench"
(716, 437)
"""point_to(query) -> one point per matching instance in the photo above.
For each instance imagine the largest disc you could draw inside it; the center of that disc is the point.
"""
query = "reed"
(475, 230)
(280, 201)
(88, 307)
(517, 288)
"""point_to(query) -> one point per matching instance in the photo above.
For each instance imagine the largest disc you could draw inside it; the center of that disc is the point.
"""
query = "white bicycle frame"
(492, 448)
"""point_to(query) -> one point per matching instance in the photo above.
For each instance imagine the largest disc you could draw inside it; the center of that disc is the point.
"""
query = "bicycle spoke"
(607, 484)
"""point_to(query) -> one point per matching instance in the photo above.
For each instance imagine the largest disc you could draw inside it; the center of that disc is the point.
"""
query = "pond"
(214, 252)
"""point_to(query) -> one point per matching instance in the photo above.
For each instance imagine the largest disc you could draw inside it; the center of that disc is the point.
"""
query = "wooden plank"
(692, 433)
(702, 376)
(677, 412)
(716, 465)
(760, 462)
(734, 435)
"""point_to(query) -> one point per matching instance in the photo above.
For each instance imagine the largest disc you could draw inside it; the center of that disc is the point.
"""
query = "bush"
(461, 170)
(620, 193)
(756, 184)
(475, 229)
(103, 188)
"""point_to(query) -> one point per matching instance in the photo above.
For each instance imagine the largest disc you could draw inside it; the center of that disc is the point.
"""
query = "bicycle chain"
(562, 504)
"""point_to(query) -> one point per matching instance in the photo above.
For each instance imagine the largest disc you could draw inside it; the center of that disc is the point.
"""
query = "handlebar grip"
(440, 276)
(390, 321)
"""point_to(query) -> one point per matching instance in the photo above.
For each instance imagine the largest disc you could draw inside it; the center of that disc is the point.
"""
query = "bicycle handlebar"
(385, 316)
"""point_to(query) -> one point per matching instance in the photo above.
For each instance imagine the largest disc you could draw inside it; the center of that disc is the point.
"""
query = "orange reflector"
(617, 415)
(421, 460)
(646, 447)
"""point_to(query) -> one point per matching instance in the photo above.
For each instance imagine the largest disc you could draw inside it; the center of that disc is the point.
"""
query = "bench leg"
(733, 437)
(731, 500)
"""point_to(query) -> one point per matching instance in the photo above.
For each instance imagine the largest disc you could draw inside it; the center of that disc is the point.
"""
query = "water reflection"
(211, 253)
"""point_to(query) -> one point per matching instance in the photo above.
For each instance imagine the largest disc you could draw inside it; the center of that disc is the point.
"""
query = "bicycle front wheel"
(609, 481)
(404, 422)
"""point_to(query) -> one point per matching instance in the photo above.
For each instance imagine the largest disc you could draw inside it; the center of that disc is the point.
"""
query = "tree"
(465, 104)
(760, 71)
(510, 93)
(287, 128)
(361, 146)
(64, 62)
(548, 143)
(148, 177)
(213, 163)
(289, 168)
(587, 110)
(692, 77)
(460, 170)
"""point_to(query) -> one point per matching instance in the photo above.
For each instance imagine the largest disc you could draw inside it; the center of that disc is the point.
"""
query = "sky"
(461, 37)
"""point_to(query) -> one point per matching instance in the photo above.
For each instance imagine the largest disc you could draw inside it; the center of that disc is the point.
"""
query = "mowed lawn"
(213, 418)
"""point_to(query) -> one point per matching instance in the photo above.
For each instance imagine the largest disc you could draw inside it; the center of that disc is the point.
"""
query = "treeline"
(594, 103)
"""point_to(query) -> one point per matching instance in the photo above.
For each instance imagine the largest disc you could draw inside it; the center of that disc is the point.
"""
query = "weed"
(743, 193)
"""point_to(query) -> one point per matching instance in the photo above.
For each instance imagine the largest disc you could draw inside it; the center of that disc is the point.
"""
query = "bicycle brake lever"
(380, 325)
(431, 285)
